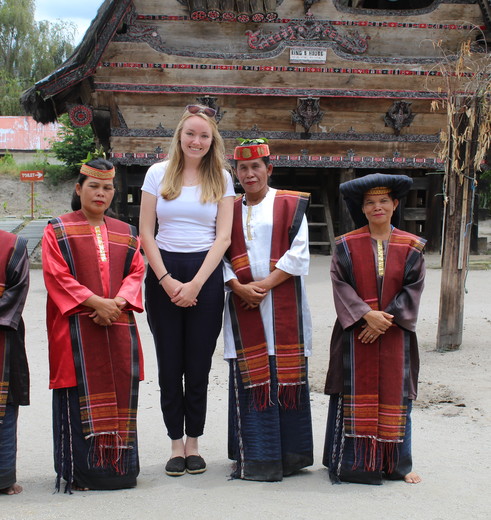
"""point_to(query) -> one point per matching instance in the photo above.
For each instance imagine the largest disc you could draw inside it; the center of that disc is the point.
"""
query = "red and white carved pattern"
(80, 115)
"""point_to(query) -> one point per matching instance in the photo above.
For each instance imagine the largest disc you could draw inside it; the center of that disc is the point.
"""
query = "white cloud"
(80, 13)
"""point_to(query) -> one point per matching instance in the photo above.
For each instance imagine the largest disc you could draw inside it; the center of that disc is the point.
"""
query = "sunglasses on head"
(198, 109)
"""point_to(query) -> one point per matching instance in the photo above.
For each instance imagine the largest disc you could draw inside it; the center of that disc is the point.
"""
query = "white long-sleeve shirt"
(258, 230)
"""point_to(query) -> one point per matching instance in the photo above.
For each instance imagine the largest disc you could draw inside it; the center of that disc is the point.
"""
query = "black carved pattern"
(343, 23)
(266, 91)
(160, 131)
(279, 68)
(398, 12)
(158, 45)
(486, 12)
(311, 30)
(209, 101)
(304, 161)
(398, 116)
(308, 113)
(138, 30)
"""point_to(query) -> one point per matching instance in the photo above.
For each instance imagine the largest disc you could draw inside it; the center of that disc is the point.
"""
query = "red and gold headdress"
(103, 175)
(250, 149)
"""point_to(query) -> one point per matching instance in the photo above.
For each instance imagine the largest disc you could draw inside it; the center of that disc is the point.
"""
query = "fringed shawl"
(11, 252)
(250, 341)
(106, 358)
(376, 374)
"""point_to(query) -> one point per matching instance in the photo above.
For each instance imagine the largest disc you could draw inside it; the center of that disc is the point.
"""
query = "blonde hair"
(211, 166)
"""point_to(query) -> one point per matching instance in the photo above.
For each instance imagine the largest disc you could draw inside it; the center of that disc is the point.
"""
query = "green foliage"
(247, 142)
(29, 50)
(7, 160)
(8, 166)
(54, 173)
(98, 153)
(10, 91)
(75, 143)
(484, 189)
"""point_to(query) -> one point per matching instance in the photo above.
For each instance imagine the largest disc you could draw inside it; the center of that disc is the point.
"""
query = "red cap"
(249, 152)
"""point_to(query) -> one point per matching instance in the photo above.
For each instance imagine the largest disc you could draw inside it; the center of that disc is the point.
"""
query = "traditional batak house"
(341, 88)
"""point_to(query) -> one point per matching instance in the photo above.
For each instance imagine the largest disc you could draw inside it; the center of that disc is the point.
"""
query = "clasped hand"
(107, 310)
(377, 323)
(250, 294)
(181, 294)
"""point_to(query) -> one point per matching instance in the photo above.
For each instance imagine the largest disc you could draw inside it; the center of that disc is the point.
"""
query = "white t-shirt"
(185, 224)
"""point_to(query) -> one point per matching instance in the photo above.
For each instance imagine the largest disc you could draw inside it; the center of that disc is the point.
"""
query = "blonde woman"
(191, 197)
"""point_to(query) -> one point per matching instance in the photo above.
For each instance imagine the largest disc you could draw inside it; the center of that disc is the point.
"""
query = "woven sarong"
(250, 341)
(106, 358)
(11, 252)
(376, 382)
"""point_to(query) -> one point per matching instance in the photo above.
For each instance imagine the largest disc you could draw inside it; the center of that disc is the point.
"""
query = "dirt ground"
(15, 197)
(451, 429)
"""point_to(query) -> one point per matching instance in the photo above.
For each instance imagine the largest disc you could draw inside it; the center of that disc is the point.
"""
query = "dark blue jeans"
(185, 339)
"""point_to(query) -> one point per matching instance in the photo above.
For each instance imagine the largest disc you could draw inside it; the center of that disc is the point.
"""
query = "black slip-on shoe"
(176, 466)
(195, 464)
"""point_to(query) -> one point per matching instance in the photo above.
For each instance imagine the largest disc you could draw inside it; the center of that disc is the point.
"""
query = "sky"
(80, 12)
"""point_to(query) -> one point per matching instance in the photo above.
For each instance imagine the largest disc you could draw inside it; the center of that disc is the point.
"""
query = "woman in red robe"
(93, 270)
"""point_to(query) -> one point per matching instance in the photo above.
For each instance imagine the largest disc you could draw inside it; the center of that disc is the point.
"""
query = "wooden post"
(456, 234)
(345, 221)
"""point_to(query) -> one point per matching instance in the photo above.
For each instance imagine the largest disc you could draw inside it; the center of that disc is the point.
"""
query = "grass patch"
(54, 173)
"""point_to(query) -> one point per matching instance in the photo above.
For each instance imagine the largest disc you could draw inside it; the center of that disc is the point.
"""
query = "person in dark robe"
(377, 274)
(14, 370)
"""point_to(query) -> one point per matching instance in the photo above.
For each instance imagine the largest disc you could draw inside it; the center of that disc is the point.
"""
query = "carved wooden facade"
(339, 91)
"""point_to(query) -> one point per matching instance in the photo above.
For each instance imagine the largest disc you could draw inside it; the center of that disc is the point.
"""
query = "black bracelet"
(162, 277)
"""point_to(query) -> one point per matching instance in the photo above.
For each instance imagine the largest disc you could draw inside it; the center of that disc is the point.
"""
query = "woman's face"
(196, 138)
(253, 176)
(379, 208)
(95, 195)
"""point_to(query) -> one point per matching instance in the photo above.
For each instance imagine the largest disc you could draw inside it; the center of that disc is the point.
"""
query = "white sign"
(307, 55)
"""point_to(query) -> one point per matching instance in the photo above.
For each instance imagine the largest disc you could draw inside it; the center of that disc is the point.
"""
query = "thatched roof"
(46, 99)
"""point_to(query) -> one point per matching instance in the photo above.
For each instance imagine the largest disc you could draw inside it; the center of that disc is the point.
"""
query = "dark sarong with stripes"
(271, 443)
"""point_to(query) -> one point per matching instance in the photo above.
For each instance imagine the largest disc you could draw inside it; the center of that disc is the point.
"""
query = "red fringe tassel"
(107, 451)
(377, 456)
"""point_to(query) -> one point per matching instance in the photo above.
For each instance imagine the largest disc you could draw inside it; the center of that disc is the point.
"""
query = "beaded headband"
(378, 190)
(103, 175)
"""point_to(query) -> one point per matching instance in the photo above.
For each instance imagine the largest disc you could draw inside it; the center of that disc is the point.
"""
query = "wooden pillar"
(457, 233)
(345, 221)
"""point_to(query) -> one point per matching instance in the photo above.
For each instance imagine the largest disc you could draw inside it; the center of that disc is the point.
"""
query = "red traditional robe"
(65, 294)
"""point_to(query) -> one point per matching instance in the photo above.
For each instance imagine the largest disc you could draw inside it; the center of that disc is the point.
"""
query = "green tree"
(10, 89)
(29, 50)
(76, 142)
